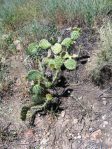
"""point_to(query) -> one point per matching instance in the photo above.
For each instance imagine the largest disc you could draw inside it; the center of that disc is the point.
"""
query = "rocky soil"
(84, 123)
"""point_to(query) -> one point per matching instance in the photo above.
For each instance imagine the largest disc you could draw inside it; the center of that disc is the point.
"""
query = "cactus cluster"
(49, 67)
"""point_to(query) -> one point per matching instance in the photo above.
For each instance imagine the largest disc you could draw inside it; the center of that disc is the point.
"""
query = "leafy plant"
(44, 79)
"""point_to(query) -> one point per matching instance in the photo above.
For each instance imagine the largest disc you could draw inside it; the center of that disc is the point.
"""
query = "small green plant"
(45, 78)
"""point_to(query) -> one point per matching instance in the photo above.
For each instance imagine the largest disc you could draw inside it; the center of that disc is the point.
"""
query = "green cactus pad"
(57, 48)
(32, 48)
(44, 44)
(36, 99)
(34, 75)
(37, 89)
(70, 64)
(75, 35)
(67, 42)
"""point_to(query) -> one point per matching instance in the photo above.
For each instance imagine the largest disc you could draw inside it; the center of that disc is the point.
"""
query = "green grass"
(16, 13)
(24, 18)
(70, 9)
(34, 31)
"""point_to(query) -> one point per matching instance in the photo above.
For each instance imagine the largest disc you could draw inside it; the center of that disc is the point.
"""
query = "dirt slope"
(85, 122)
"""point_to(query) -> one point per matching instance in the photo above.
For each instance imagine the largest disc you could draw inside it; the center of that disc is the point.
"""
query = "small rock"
(91, 129)
(104, 124)
(75, 121)
(75, 138)
(44, 141)
(74, 55)
(3, 60)
(68, 29)
(63, 114)
(79, 137)
(104, 117)
(103, 98)
(48, 134)
(19, 47)
(104, 102)
(70, 136)
(96, 135)
(89, 60)
(16, 42)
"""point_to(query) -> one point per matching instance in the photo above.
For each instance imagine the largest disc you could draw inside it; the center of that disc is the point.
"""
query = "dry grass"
(105, 49)
(15, 14)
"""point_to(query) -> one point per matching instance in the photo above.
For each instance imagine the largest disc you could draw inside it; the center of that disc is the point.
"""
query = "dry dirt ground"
(84, 123)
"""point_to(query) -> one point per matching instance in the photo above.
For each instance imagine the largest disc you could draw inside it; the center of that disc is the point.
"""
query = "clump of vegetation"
(16, 14)
(103, 71)
(44, 80)
(87, 10)
(27, 19)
